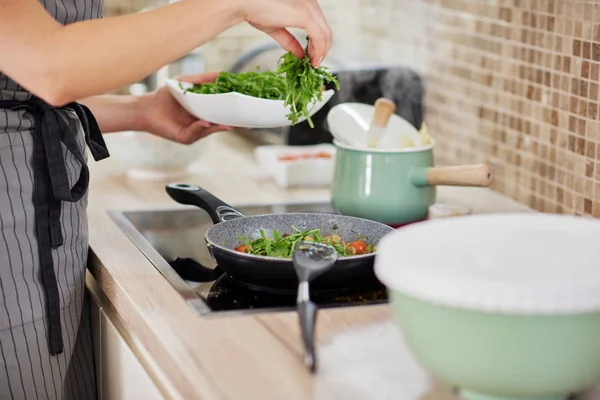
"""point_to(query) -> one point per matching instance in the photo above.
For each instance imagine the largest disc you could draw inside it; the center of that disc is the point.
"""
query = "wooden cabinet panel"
(120, 375)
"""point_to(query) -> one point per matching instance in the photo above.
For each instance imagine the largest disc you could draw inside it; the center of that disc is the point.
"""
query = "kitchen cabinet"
(120, 375)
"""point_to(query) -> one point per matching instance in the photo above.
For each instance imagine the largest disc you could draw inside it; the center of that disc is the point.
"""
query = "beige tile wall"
(515, 83)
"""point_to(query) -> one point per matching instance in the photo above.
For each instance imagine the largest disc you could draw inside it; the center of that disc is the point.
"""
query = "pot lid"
(511, 263)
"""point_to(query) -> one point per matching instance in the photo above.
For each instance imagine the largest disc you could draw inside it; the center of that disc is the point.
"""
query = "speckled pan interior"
(226, 234)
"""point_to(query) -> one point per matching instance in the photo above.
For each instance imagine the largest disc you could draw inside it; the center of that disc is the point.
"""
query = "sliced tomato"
(243, 248)
(357, 247)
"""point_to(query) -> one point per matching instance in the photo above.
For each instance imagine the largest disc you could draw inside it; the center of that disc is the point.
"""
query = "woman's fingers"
(216, 128)
(318, 44)
(286, 40)
(200, 129)
(319, 34)
(275, 16)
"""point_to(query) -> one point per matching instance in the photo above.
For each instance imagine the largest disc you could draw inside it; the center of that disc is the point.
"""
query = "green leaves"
(283, 245)
(304, 84)
(296, 82)
(265, 85)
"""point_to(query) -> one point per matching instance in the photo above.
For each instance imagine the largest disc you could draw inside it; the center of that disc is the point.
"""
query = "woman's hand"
(156, 112)
(163, 116)
(274, 16)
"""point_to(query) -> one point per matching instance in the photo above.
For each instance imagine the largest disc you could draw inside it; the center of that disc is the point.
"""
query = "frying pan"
(273, 273)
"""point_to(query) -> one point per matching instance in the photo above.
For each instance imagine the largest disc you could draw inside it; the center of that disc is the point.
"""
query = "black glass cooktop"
(173, 240)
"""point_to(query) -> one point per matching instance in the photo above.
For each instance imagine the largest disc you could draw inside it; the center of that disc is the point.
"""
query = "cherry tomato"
(357, 247)
(243, 249)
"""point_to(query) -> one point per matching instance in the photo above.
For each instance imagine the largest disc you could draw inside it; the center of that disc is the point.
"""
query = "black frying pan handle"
(193, 195)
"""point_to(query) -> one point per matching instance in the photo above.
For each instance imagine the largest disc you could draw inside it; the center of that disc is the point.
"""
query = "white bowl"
(151, 157)
(238, 110)
(350, 122)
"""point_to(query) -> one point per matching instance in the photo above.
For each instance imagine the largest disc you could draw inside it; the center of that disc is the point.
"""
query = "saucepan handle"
(193, 195)
(463, 175)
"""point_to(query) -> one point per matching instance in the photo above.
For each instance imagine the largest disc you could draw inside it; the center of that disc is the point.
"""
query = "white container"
(298, 166)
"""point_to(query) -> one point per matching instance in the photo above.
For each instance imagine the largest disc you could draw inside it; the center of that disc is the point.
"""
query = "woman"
(56, 59)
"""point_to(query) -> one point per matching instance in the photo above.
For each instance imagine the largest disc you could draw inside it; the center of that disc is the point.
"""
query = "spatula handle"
(307, 313)
(463, 175)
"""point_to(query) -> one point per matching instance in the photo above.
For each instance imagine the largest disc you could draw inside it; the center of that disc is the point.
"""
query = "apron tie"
(52, 187)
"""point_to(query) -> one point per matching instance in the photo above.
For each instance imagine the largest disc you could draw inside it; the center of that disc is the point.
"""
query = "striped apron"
(45, 337)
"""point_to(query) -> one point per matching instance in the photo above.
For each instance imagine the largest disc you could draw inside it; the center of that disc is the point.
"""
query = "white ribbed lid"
(511, 263)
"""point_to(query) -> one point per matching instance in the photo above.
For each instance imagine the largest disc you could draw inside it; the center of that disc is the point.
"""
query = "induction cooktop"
(173, 241)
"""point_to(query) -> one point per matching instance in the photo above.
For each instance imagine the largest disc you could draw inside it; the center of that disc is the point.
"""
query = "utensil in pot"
(384, 108)
(310, 260)
(274, 273)
(346, 125)
(349, 124)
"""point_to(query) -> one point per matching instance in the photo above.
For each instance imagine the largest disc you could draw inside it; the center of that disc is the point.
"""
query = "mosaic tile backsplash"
(515, 83)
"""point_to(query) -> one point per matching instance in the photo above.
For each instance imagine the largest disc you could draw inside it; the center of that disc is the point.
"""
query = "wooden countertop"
(361, 352)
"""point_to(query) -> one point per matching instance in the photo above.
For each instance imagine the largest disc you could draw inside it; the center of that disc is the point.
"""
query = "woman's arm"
(61, 64)
(65, 63)
(157, 113)
(117, 113)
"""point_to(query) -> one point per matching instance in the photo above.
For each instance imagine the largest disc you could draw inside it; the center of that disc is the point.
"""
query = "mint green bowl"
(502, 357)
(501, 307)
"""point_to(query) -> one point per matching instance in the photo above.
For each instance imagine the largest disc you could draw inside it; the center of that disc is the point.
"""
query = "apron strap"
(93, 135)
(52, 188)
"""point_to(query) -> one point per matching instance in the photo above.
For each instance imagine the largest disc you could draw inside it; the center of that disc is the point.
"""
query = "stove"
(173, 241)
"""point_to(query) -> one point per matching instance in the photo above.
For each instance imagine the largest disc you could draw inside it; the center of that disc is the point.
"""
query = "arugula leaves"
(296, 82)
(304, 84)
(283, 245)
(266, 85)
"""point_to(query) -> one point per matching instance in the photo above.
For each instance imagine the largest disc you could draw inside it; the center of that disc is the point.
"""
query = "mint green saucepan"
(394, 186)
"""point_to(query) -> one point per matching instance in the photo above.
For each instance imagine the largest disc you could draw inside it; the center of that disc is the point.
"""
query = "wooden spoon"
(384, 108)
